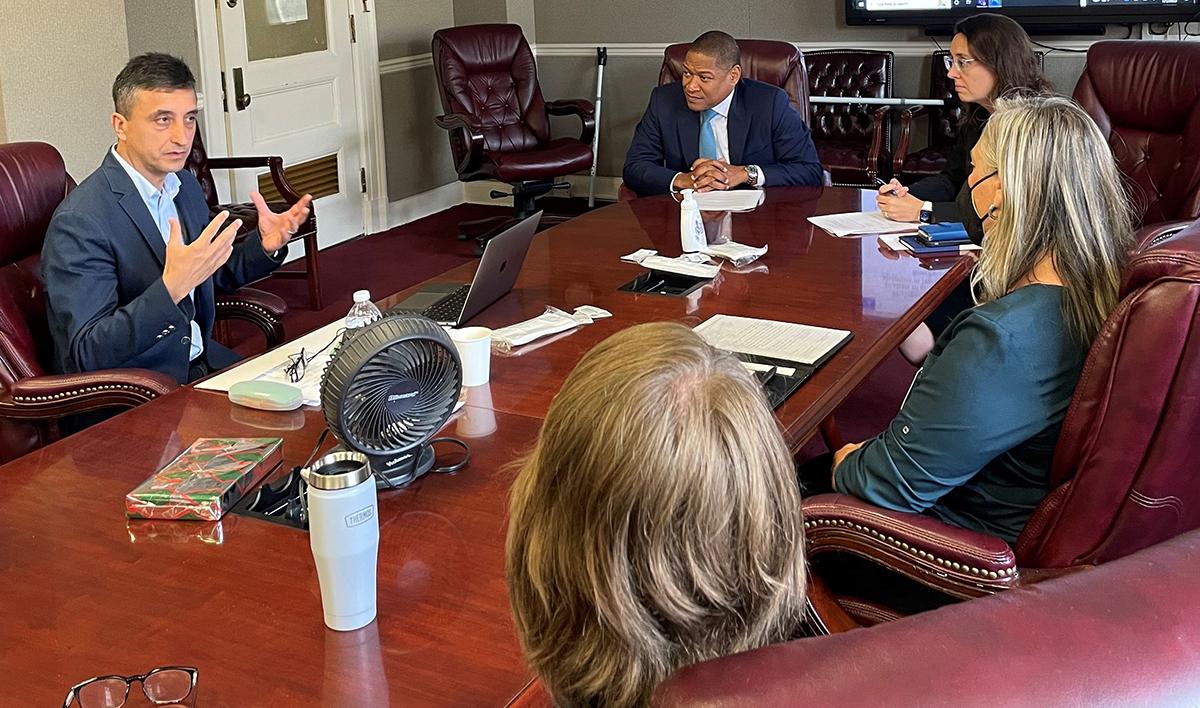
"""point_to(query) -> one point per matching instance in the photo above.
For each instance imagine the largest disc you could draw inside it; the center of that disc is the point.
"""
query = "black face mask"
(972, 221)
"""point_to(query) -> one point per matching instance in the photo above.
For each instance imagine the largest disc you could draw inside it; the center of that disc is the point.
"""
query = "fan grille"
(391, 385)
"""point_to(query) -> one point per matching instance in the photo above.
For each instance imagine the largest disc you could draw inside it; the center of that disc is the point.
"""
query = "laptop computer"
(453, 303)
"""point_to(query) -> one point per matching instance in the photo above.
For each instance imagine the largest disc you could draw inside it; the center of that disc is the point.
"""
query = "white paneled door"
(288, 74)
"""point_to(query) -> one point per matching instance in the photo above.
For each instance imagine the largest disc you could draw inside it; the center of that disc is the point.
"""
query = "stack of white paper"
(861, 223)
(788, 341)
(733, 200)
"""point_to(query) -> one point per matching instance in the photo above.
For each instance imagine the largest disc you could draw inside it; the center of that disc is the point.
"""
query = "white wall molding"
(416, 61)
(418, 206)
(905, 48)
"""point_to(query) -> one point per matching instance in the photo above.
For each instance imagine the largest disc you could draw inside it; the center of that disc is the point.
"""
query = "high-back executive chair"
(1126, 633)
(769, 61)
(33, 181)
(1145, 96)
(1124, 470)
(498, 123)
(853, 140)
(201, 165)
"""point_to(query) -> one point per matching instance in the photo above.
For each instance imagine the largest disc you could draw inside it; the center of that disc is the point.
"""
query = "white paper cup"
(475, 349)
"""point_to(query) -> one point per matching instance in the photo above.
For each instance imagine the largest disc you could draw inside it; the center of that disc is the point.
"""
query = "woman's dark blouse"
(942, 189)
(974, 440)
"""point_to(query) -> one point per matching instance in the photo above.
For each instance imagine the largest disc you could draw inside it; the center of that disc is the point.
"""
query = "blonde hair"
(1063, 198)
(656, 523)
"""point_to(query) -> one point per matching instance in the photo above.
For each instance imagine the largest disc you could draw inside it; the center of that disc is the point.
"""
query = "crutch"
(601, 60)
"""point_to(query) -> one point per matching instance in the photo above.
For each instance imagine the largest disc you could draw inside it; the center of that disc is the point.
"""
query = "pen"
(881, 183)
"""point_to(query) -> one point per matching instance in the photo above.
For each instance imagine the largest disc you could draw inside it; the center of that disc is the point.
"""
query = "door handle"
(240, 98)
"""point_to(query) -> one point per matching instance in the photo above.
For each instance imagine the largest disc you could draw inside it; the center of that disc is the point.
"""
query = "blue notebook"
(944, 233)
(920, 248)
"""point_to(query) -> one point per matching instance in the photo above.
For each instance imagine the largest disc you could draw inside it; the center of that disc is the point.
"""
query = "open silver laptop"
(454, 303)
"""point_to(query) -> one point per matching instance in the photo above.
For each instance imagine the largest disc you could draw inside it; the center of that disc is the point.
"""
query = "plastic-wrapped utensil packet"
(551, 321)
(738, 254)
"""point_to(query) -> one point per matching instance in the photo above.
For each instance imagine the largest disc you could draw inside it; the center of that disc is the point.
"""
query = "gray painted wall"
(473, 12)
(163, 26)
(63, 98)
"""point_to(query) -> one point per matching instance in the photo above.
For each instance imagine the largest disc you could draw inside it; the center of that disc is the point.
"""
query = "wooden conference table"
(83, 592)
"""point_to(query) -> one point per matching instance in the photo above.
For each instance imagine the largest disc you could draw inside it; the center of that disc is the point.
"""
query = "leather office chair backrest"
(1145, 96)
(197, 164)
(847, 73)
(1124, 474)
(33, 182)
(488, 72)
(769, 61)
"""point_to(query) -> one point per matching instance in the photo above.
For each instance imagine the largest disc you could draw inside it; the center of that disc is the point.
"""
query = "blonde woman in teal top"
(974, 440)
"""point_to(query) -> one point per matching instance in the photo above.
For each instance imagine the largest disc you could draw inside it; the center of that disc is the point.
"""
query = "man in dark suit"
(716, 130)
(131, 259)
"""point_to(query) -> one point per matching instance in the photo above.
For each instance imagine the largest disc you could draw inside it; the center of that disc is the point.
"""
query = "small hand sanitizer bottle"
(691, 225)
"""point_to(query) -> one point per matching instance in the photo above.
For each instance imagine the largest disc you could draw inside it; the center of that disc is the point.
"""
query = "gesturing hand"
(276, 229)
(189, 265)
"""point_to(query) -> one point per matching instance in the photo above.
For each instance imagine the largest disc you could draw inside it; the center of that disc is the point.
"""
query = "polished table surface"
(85, 592)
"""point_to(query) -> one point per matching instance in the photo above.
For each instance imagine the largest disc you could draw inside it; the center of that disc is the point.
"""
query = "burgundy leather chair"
(853, 140)
(769, 61)
(1126, 633)
(1124, 471)
(201, 165)
(1145, 96)
(33, 181)
(498, 123)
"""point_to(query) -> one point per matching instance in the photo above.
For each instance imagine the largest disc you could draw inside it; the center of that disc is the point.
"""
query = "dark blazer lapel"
(133, 204)
(738, 125)
(688, 127)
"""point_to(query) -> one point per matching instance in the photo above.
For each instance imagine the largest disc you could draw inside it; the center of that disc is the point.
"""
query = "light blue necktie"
(708, 139)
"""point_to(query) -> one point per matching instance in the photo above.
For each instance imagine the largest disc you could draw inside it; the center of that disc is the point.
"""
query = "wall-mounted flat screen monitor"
(942, 14)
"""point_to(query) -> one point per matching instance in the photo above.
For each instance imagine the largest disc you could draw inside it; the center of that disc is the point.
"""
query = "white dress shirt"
(720, 127)
(161, 203)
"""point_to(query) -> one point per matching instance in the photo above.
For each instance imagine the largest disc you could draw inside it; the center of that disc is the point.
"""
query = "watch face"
(926, 216)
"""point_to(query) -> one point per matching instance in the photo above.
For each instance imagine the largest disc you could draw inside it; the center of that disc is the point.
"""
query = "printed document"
(788, 341)
(860, 223)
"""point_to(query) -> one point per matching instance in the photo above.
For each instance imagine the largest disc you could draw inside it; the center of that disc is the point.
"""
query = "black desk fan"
(388, 388)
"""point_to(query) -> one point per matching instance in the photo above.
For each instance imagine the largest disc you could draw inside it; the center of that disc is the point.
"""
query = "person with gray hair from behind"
(656, 523)
(716, 130)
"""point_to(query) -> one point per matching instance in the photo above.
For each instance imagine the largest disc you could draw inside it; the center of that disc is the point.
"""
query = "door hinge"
(353, 33)
(224, 102)
(362, 178)
(365, 8)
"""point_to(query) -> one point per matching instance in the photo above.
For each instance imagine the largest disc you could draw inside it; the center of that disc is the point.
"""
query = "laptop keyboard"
(450, 308)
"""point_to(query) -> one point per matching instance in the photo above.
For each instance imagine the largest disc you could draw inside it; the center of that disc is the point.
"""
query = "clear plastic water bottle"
(363, 312)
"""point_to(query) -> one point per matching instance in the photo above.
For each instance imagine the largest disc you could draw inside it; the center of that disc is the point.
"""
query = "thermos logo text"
(361, 516)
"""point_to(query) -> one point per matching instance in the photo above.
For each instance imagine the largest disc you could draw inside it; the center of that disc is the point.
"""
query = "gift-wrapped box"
(206, 480)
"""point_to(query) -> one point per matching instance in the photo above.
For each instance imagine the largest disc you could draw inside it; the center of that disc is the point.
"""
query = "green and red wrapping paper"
(206, 480)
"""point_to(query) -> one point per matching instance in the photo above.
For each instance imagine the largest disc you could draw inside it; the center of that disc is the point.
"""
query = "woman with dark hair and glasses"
(990, 56)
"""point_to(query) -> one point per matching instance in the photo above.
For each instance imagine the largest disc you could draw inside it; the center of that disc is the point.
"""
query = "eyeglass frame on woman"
(960, 62)
(192, 672)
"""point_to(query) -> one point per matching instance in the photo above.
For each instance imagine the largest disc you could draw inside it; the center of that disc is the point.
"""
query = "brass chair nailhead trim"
(87, 389)
(963, 567)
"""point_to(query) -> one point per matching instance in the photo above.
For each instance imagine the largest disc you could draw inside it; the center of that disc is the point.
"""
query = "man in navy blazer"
(716, 130)
(131, 259)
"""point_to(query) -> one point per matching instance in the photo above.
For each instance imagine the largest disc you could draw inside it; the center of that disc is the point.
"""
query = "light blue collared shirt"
(161, 203)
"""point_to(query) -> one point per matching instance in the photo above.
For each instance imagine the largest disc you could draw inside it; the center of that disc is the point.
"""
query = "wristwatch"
(752, 175)
(926, 216)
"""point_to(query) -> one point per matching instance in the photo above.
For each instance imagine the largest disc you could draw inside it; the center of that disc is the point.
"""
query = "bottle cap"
(689, 196)
(362, 295)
